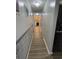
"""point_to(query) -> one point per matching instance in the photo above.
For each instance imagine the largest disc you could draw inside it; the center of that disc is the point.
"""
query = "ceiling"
(37, 6)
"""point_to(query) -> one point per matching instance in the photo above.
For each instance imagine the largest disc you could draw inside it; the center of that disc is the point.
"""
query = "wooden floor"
(38, 48)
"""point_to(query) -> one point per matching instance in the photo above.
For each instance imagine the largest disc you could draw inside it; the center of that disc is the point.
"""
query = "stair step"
(37, 54)
(39, 57)
(38, 50)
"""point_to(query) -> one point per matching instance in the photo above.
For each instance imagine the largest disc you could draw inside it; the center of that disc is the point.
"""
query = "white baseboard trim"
(29, 48)
(47, 47)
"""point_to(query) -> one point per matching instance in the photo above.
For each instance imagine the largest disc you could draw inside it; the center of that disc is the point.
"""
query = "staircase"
(38, 48)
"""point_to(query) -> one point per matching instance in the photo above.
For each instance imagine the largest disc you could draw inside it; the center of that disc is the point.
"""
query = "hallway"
(35, 29)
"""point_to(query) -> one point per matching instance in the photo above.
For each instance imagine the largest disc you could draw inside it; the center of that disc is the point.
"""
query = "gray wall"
(49, 24)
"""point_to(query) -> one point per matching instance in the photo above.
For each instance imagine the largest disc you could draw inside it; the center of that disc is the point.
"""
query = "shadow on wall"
(57, 47)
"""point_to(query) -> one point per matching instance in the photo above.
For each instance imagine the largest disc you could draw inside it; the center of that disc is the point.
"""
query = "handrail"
(23, 34)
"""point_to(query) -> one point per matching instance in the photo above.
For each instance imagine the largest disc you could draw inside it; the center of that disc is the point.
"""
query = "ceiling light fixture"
(37, 3)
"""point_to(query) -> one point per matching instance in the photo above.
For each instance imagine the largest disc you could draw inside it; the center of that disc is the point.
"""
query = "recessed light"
(37, 3)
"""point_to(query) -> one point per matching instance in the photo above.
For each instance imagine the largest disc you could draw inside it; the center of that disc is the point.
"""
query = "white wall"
(22, 47)
(23, 23)
(23, 4)
(28, 5)
(49, 24)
